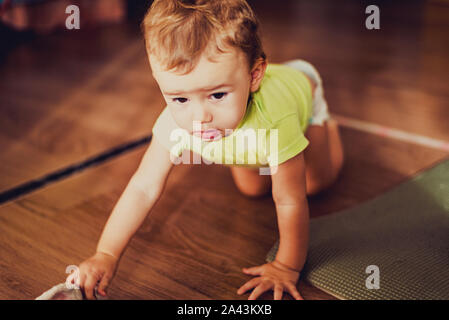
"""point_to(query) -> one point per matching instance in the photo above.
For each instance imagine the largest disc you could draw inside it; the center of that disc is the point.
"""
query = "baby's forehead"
(209, 71)
(229, 54)
(215, 57)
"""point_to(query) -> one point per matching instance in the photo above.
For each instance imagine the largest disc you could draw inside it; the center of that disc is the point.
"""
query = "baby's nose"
(202, 115)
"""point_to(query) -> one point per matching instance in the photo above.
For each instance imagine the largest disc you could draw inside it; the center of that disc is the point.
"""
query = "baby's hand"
(272, 275)
(98, 269)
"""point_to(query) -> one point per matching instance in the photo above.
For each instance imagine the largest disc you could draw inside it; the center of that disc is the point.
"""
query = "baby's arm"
(142, 192)
(289, 195)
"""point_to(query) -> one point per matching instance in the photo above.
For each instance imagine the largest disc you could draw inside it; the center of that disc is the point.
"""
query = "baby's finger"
(104, 284)
(254, 270)
(261, 288)
(250, 284)
(293, 291)
(278, 291)
(91, 281)
(82, 279)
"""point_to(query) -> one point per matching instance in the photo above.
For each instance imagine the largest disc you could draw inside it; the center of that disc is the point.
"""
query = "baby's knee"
(254, 191)
(313, 185)
(250, 183)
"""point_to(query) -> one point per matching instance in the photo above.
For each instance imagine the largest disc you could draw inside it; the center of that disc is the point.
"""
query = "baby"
(208, 60)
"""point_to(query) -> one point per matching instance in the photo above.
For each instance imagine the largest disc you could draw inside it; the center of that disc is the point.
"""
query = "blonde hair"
(177, 32)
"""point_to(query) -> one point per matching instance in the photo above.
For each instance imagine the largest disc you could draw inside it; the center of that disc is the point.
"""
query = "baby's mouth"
(210, 134)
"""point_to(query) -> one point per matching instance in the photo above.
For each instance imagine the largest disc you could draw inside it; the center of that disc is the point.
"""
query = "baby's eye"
(180, 100)
(219, 95)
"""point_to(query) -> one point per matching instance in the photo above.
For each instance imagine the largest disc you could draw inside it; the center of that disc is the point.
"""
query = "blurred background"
(77, 108)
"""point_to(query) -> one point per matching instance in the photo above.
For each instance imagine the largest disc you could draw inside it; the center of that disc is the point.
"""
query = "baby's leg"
(323, 156)
(249, 182)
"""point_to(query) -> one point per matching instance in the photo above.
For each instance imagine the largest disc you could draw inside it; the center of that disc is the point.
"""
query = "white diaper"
(320, 112)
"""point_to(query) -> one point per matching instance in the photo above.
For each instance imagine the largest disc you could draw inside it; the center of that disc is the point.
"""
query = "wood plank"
(68, 97)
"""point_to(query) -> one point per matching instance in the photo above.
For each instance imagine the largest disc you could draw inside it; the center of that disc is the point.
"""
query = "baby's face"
(215, 93)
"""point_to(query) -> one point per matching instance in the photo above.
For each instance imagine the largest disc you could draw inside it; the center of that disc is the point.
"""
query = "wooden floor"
(71, 96)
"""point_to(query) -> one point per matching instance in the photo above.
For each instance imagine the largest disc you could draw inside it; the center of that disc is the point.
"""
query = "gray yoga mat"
(403, 232)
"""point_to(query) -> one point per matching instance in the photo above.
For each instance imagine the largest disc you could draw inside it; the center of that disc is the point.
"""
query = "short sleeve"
(163, 129)
(290, 140)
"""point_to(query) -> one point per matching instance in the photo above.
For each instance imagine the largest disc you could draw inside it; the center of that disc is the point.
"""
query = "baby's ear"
(257, 73)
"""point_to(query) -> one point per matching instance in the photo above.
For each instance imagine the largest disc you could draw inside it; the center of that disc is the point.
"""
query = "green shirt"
(283, 102)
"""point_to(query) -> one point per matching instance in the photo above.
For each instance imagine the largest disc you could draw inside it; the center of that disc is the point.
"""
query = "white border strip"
(391, 133)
